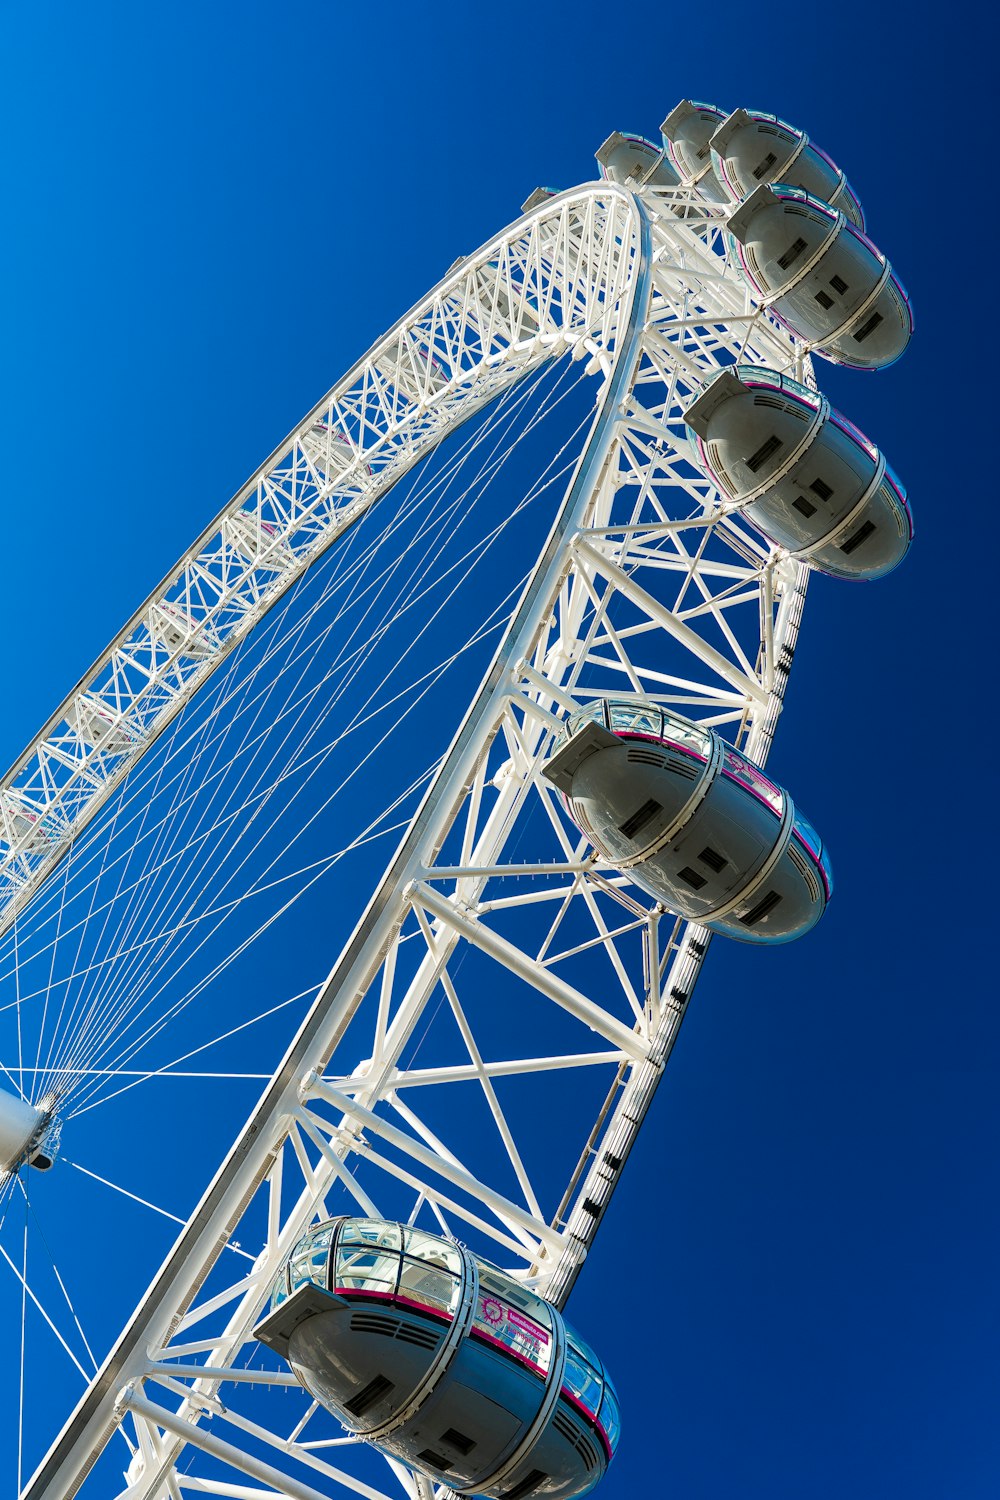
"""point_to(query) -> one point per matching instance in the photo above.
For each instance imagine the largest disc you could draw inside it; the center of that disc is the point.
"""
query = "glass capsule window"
(582, 1380)
(769, 380)
(375, 1258)
(640, 716)
(310, 1258)
(898, 489)
(813, 844)
(367, 1258)
(430, 1272)
(787, 194)
(587, 1382)
(515, 1318)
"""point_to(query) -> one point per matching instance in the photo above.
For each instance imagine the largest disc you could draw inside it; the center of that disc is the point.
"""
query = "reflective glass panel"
(365, 1268)
(432, 1248)
(827, 867)
(370, 1231)
(610, 1416)
(762, 379)
(583, 1381)
(692, 737)
(808, 835)
(429, 1285)
(643, 716)
(310, 1257)
(892, 478)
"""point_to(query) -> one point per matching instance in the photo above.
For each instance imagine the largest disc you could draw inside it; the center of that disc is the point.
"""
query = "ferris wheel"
(369, 1296)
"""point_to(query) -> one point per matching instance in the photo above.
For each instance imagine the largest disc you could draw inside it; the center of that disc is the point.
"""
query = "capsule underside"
(814, 508)
(836, 305)
(467, 1425)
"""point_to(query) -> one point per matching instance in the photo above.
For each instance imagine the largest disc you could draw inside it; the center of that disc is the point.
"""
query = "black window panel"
(861, 535)
(839, 285)
(458, 1440)
(867, 327)
(761, 171)
(692, 878)
(821, 488)
(640, 818)
(713, 859)
(428, 1456)
(369, 1394)
(756, 913)
(803, 507)
(824, 299)
(527, 1485)
(767, 450)
(793, 252)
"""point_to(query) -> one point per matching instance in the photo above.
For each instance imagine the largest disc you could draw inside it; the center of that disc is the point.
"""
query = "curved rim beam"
(553, 280)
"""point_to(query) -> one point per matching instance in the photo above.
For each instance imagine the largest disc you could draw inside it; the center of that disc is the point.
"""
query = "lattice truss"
(501, 965)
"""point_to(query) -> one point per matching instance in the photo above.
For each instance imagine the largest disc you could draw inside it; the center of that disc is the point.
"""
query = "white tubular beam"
(315, 1087)
(228, 1453)
(525, 968)
(222, 1372)
(726, 669)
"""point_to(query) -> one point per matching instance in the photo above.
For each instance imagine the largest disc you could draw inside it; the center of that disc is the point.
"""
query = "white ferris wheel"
(367, 1297)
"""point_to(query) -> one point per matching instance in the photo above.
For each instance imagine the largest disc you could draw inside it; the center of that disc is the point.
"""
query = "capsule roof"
(750, 148)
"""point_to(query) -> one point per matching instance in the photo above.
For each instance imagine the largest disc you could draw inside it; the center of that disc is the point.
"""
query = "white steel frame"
(645, 584)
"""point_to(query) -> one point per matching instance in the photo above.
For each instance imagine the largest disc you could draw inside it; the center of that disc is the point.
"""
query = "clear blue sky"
(211, 212)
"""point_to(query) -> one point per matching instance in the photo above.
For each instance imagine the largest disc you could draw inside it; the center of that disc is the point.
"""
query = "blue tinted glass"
(808, 835)
(610, 1415)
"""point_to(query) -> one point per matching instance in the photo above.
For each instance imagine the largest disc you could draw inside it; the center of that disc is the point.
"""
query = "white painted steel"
(643, 585)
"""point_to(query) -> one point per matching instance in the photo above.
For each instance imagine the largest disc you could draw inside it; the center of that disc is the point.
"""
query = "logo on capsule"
(492, 1311)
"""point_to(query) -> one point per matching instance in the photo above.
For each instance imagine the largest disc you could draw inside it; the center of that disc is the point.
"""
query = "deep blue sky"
(211, 212)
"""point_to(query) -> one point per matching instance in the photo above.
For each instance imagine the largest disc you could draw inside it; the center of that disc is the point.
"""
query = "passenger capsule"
(633, 161)
(808, 479)
(442, 1361)
(750, 148)
(687, 132)
(821, 277)
(694, 823)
